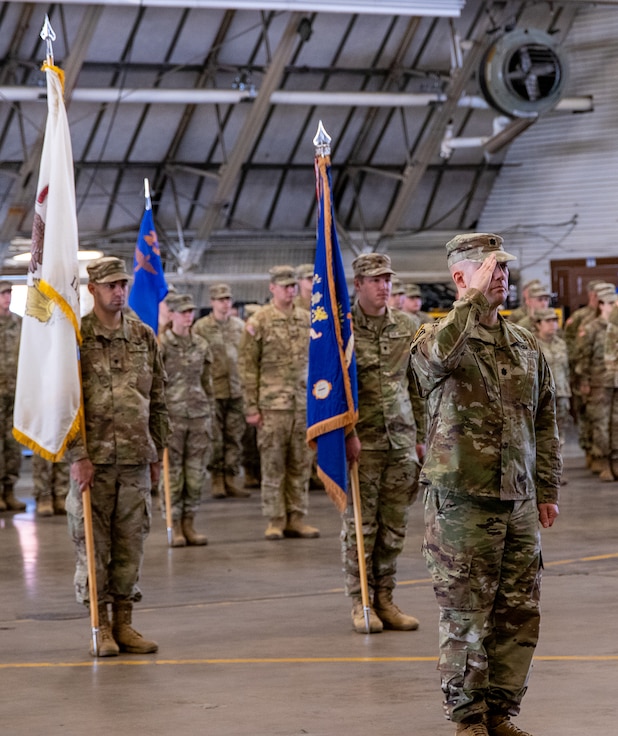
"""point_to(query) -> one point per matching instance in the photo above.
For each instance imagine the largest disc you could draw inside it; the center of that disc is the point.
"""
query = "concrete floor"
(255, 636)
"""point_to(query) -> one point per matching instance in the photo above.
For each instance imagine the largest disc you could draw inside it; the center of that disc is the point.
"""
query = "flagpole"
(166, 457)
(49, 36)
(322, 150)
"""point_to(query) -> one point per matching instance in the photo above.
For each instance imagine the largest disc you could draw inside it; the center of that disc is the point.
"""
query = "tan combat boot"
(390, 615)
(502, 726)
(275, 527)
(178, 537)
(358, 619)
(297, 528)
(60, 508)
(606, 475)
(2, 504)
(126, 637)
(234, 490)
(477, 728)
(44, 506)
(217, 486)
(192, 537)
(597, 465)
(251, 480)
(106, 646)
(12, 503)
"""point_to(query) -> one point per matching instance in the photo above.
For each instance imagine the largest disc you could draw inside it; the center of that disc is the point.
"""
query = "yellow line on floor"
(112, 662)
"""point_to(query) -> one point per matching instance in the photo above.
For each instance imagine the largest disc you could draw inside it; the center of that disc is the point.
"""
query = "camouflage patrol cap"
(304, 271)
(603, 285)
(530, 284)
(372, 264)
(220, 291)
(251, 309)
(608, 294)
(5, 286)
(398, 287)
(282, 275)
(180, 303)
(413, 290)
(593, 283)
(535, 292)
(476, 247)
(107, 270)
(541, 314)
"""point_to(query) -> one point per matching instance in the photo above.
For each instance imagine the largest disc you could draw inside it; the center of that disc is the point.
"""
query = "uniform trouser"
(285, 462)
(188, 448)
(10, 450)
(50, 480)
(598, 407)
(121, 517)
(388, 482)
(563, 417)
(228, 430)
(484, 556)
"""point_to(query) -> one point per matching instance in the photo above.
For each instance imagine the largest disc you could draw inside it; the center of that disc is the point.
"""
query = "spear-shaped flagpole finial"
(49, 36)
(322, 141)
(147, 194)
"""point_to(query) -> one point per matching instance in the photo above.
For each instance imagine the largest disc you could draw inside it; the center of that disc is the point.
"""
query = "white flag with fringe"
(48, 395)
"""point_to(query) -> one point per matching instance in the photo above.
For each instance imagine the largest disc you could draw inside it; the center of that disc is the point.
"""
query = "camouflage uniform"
(592, 373)
(492, 456)
(51, 483)
(611, 365)
(188, 364)
(10, 450)
(229, 420)
(557, 357)
(388, 467)
(126, 430)
(274, 352)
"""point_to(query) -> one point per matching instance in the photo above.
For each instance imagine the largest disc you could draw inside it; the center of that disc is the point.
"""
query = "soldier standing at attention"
(413, 303)
(274, 355)
(398, 294)
(304, 280)
(384, 443)
(10, 451)
(223, 332)
(491, 473)
(187, 360)
(126, 430)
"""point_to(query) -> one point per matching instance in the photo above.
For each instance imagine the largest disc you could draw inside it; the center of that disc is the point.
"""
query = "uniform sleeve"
(159, 423)
(548, 457)
(438, 347)
(206, 377)
(249, 353)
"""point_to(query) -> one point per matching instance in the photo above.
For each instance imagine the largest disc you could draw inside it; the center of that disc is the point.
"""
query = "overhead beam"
(432, 8)
(430, 145)
(256, 116)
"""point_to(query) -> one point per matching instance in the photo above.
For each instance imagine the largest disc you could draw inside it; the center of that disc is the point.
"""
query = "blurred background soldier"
(250, 452)
(413, 303)
(223, 331)
(126, 430)
(10, 450)
(187, 360)
(304, 281)
(555, 351)
(384, 444)
(522, 310)
(539, 297)
(398, 294)
(274, 353)
(596, 382)
(51, 485)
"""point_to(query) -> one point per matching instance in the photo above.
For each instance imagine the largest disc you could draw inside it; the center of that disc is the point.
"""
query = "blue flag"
(149, 285)
(332, 394)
